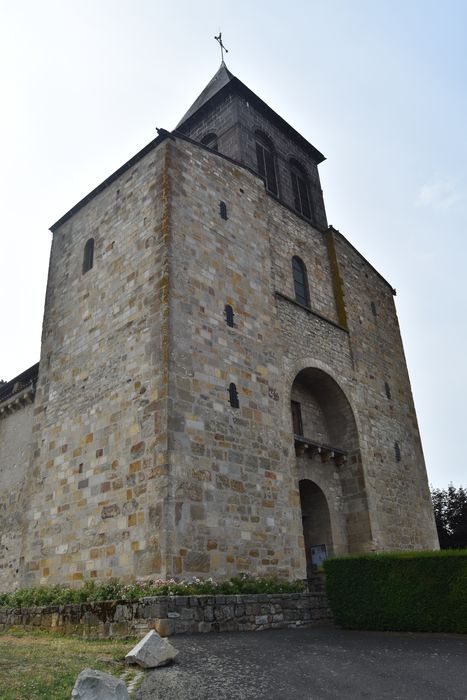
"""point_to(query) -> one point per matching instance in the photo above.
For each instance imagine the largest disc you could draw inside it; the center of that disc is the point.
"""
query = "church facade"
(222, 385)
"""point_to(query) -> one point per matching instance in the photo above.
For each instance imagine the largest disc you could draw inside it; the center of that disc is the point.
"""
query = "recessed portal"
(328, 461)
(316, 525)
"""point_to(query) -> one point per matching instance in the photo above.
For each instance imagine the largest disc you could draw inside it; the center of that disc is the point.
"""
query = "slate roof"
(22, 381)
(224, 81)
(221, 78)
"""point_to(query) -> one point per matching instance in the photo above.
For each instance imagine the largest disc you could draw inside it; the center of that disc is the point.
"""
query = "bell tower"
(229, 118)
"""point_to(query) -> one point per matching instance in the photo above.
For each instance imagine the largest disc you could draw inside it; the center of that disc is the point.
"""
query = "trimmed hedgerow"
(116, 590)
(411, 591)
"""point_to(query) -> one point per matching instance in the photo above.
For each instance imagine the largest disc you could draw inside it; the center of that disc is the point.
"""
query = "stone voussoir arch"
(293, 368)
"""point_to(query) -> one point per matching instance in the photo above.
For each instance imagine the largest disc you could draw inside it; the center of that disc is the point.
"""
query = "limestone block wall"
(15, 453)
(99, 470)
(235, 504)
(290, 235)
(400, 505)
(315, 339)
(170, 615)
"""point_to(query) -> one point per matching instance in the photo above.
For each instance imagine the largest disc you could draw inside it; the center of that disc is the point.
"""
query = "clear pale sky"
(378, 86)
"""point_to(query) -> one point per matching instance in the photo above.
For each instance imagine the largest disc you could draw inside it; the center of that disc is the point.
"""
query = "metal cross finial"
(219, 40)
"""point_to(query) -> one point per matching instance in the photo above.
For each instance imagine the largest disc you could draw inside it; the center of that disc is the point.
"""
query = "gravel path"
(312, 664)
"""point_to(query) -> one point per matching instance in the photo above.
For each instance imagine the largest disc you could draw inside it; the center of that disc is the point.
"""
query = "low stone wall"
(173, 615)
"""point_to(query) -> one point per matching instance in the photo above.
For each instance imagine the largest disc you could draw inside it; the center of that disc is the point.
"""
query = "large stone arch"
(327, 453)
(292, 368)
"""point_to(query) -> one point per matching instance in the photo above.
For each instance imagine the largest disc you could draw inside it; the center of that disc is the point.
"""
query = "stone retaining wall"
(173, 615)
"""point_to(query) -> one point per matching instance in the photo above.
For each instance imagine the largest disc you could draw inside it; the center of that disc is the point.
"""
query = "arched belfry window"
(300, 189)
(210, 140)
(88, 257)
(266, 161)
(300, 281)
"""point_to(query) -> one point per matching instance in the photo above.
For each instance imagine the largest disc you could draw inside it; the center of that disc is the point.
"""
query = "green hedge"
(411, 591)
(117, 590)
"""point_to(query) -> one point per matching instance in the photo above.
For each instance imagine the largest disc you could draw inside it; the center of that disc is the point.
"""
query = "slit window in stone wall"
(300, 281)
(233, 396)
(88, 257)
(300, 189)
(373, 308)
(210, 140)
(397, 451)
(265, 158)
(387, 389)
(223, 210)
(229, 315)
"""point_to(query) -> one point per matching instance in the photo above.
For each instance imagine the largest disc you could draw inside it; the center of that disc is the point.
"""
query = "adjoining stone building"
(222, 382)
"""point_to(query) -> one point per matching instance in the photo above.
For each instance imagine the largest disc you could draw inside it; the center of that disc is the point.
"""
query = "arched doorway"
(316, 523)
(328, 461)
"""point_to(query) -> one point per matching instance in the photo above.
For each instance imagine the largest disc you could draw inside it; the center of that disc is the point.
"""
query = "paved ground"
(312, 664)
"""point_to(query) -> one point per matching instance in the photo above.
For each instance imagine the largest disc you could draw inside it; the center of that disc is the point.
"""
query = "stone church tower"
(222, 382)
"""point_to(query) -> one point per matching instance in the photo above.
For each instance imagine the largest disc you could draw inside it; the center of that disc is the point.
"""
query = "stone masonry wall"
(99, 470)
(314, 339)
(15, 454)
(251, 120)
(139, 463)
(400, 506)
(235, 121)
(235, 504)
(221, 120)
(174, 615)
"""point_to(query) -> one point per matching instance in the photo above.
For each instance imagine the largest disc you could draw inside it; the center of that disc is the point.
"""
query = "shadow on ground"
(312, 664)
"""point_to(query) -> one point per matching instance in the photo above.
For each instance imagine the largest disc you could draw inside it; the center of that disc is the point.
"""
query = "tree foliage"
(450, 506)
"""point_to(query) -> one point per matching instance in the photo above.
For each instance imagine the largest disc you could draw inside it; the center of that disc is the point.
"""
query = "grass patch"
(45, 666)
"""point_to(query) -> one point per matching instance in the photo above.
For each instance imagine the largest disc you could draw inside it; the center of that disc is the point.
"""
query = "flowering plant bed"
(117, 590)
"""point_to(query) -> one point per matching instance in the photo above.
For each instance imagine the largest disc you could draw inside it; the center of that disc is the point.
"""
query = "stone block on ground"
(152, 651)
(96, 685)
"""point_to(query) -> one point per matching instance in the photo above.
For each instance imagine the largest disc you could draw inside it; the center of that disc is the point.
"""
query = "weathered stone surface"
(137, 359)
(152, 651)
(187, 614)
(96, 685)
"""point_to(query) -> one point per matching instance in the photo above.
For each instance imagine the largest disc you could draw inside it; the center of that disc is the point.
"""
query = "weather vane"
(219, 40)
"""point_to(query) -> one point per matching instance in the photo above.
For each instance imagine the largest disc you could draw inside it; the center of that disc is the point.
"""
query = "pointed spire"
(221, 78)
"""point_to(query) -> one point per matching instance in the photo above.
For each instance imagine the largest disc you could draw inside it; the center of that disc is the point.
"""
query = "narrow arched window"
(210, 140)
(300, 281)
(266, 161)
(233, 396)
(300, 189)
(88, 257)
(223, 210)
